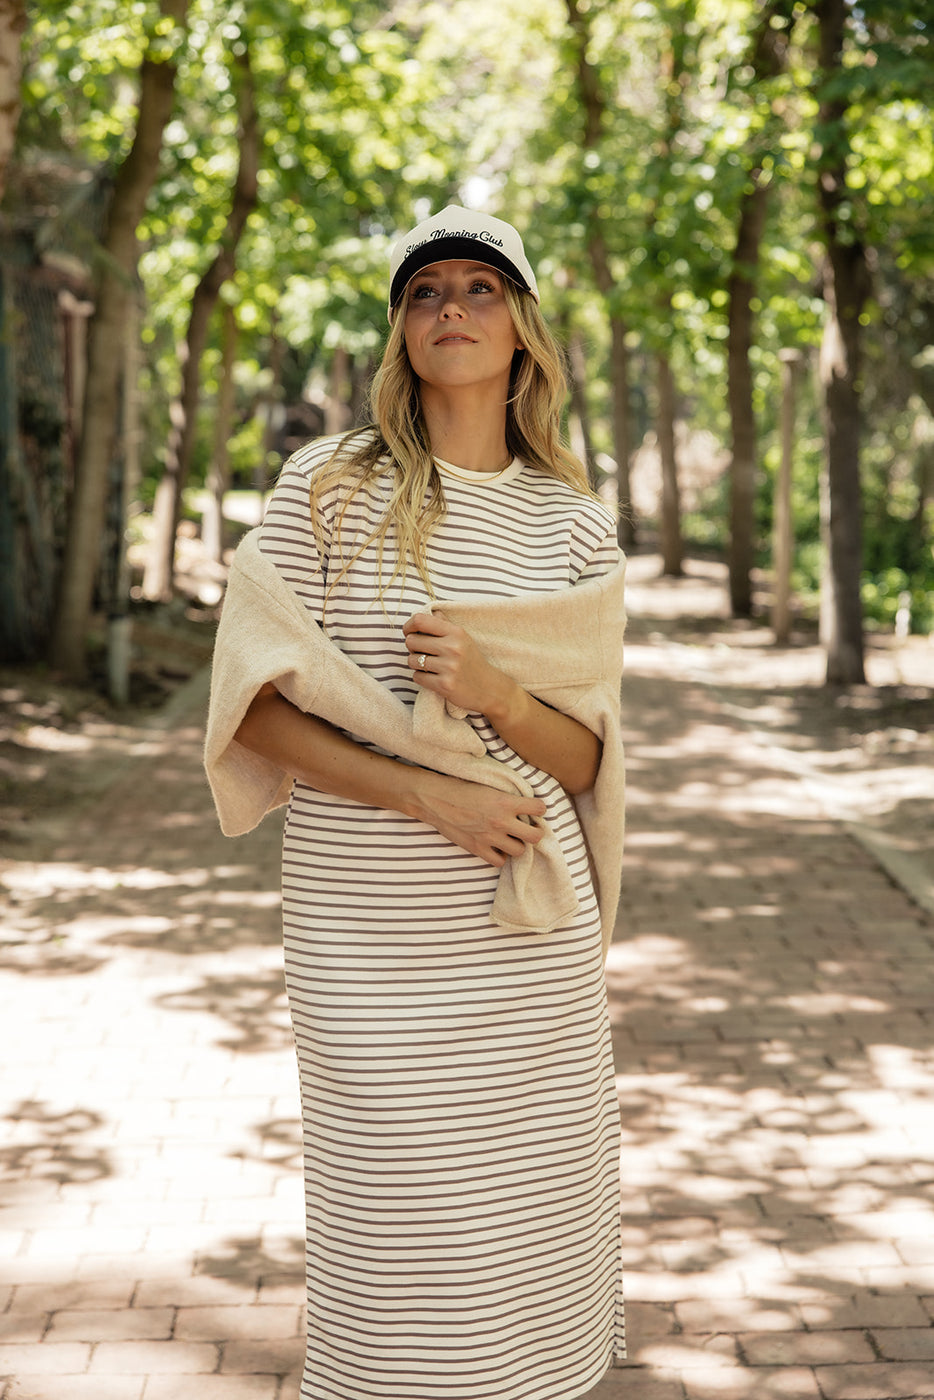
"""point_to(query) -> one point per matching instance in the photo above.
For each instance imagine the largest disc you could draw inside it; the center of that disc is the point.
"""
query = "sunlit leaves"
(372, 114)
(80, 72)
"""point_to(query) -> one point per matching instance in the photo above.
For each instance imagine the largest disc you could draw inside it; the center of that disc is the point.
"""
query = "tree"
(846, 289)
(115, 284)
(593, 105)
(765, 61)
(218, 477)
(157, 582)
(12, 26)
(674, 77)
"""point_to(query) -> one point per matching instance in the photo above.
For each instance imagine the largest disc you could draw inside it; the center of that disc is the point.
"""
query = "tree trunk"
(360, 379)
(593, 102)
(672, 545)
(672, 76)
(622, 430)
(119, 625)
(218, 482)
(12, 25)
(767, 58)
(160, 566)
(337, 412)
(783, 523)
(579, 414)
(846, 288)
(924, 477)
(272, 414)
(115, 284)
(742, 290)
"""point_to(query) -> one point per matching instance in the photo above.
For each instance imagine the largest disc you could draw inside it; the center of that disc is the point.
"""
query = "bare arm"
(482, 820)
(456, 669)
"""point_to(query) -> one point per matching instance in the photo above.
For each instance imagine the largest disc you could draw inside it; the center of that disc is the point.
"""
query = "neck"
(466, 429)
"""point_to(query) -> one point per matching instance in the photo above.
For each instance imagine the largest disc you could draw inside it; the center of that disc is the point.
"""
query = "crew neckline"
(508, 473)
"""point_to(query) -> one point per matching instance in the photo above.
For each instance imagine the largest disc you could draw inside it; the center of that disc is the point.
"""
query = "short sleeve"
(594, 547)
(287, 536)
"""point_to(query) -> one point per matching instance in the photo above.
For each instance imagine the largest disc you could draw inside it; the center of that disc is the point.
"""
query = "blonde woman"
(420, 652)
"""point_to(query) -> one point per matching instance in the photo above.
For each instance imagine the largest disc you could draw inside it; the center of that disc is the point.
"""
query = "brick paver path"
(773, 1003)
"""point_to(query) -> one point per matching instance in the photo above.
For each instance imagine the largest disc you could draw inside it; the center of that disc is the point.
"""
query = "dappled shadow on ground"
(771, 996)
(252, 1264)
(771, 999)
(45, 1144)
(253, 1006)
(280, 1144)
(68, 917)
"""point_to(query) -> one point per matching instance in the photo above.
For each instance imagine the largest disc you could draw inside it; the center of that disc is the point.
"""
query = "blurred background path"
(772, 992)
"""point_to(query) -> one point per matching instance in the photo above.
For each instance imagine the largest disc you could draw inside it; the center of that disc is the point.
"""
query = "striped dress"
(461, 1130)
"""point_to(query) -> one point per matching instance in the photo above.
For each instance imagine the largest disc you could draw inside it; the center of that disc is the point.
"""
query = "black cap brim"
(450, 250)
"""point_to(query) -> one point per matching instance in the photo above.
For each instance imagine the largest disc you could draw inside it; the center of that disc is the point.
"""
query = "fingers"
(426, 624)
(504, 847)
(520, 831)
(420, 661)
(422, 633)
(491, 824)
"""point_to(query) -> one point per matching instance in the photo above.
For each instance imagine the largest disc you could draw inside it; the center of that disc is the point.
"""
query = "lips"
(455, 338)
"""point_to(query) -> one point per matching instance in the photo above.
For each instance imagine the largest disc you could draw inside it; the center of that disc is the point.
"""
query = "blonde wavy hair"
(398, 437)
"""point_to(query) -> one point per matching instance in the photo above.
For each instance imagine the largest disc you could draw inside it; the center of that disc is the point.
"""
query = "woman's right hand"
(488, 823)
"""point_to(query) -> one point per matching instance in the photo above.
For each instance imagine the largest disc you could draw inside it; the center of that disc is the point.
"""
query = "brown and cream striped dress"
(461, 1131)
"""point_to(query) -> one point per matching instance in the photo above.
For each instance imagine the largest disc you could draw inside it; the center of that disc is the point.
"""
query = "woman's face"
(458, 330)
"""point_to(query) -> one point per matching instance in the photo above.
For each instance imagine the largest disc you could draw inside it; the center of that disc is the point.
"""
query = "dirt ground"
(867, 751)
(60, 743)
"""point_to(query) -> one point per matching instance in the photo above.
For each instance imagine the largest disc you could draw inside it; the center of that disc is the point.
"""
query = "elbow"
(584, 775)
(253, 730)
(577, 787)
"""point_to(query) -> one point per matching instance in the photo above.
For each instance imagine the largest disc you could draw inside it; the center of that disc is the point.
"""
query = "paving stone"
(915, 1251)
(879, 1381)
(645, 1320)
(47, 1359)
(249, 1321)
(866, 1310)
(193, 1292)
(691, 1352)
(788, 1383)
(111, 1325)
(263, 1356)
(637, 1383)
(905, 1344)
(737, 1315)
(214, 1388)
(32, 1387)
(84, 1293)
(803, 1348)
(23, 1326)
(153, 1358)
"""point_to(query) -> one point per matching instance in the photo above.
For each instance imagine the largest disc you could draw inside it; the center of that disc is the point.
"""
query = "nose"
(451, 307)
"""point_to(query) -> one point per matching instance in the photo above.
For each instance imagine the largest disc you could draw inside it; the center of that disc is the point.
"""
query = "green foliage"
(372, 115)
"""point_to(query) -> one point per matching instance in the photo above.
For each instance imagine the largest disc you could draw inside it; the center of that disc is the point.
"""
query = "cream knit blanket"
(564, 647)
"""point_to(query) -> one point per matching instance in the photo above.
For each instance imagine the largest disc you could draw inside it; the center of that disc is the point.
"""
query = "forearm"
(488, 823)
(444, 658)
(314, 752)
(550, 740)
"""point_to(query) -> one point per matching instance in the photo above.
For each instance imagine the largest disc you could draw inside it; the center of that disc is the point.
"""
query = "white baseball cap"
(454, 234)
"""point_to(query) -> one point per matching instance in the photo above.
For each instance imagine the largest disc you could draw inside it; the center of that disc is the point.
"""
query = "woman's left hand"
(444, 658)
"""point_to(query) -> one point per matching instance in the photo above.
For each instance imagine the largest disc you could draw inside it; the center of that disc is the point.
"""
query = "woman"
(420, 651)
